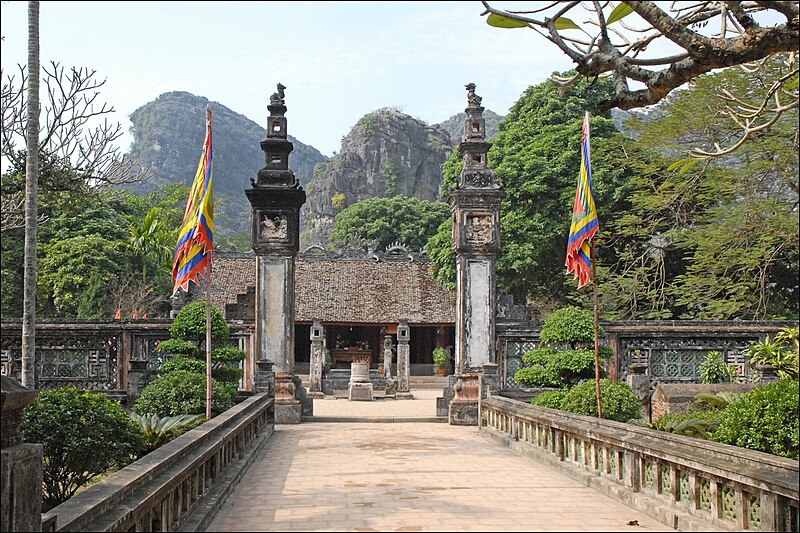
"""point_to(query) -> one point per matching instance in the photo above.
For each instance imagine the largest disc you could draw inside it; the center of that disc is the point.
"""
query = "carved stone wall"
(671, 350)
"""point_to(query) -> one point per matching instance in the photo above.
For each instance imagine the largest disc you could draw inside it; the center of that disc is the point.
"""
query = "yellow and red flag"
(584, 217)
(195, 238)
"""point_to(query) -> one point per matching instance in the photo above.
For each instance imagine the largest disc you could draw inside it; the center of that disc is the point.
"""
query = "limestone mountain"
(455, 125)
(168, 136)
(385, 154)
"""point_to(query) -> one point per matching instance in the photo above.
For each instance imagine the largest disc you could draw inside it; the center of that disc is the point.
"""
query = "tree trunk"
(31, 202)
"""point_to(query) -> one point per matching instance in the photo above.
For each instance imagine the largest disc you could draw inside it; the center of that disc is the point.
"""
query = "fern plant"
(159, 430)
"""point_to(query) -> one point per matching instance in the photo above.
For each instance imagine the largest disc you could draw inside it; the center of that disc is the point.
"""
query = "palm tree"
(150, 241)
(31, 202)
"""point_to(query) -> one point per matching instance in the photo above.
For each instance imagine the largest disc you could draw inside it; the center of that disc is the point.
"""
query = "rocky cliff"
(168, 136)
(385, 154)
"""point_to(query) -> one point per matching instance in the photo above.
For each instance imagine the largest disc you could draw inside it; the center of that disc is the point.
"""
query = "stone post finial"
(473, 100)
(277, 98)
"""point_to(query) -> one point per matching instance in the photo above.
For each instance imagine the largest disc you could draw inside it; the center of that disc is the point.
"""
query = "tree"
(384, 221)
(715, 240)
(704, 36)
(31, 184)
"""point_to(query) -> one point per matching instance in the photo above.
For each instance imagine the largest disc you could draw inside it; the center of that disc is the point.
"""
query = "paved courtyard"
(409, 477)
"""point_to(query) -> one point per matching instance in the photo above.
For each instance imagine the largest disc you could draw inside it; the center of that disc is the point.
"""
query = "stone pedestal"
(21, 494)
(360, 388)
(464, 407)
(288, 410)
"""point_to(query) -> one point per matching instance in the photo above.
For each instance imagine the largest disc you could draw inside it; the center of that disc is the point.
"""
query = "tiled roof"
(345, 290)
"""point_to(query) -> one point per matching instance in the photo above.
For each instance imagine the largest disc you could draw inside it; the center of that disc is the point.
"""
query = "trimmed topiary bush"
(83, 435)
(551, 398)
(183, 392)
(764, 419)
(547, 367)
(571, 326)
(619, 401)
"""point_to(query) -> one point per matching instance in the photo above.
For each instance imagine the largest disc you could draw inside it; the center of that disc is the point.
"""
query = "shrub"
(550, 398)
(764, 419)
(714, 370)
(571, 326)
(83, 435)
(183, 392)
(618, 400)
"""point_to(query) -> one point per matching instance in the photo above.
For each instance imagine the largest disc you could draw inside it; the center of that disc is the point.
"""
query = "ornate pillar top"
(276, 194)
(474, 148)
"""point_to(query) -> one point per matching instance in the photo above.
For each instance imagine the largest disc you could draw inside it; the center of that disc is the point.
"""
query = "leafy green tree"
(723, 235)
(384, 221)
(151, 243)
(83, 435)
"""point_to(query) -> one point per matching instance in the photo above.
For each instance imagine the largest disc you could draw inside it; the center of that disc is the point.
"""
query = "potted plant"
(776, 356)
(440, 360)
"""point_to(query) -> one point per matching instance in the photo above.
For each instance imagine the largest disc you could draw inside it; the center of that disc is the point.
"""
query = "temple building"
(359, 296)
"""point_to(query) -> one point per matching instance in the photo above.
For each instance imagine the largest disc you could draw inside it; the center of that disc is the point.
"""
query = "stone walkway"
(409, 477)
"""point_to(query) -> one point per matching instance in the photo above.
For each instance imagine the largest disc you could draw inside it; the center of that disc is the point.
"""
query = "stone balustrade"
(178, 486)
(688, 483)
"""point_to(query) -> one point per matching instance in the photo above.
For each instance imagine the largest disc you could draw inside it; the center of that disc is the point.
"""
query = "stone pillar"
(475, 207)
(387, 357)
(403, 352)
(317, 360)
(21, 504)
(276, 197)
(639, 381)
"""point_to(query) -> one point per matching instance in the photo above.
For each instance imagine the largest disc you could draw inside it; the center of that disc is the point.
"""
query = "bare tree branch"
(696, 49)
(75, 127)
(701, 53)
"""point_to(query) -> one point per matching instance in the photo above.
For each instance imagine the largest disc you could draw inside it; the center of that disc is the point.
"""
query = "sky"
(338, 60)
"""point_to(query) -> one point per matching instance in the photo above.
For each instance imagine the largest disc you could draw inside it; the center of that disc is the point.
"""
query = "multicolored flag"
(584, 217)
(193, 252)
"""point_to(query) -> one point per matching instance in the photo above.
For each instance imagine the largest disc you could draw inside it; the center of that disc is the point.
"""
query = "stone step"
(376, 419)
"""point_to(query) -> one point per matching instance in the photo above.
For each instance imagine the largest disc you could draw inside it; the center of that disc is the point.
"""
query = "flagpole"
(596, 335)
(208, 338)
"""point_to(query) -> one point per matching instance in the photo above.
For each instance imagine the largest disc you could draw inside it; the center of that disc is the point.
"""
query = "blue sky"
(338, 60)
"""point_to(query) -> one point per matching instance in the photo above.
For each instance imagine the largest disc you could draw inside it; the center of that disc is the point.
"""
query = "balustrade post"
(716, 506)
(632, 470)
(694, 491)
(741, 509)
(771, 515)
(558, 446)
(674, 484)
